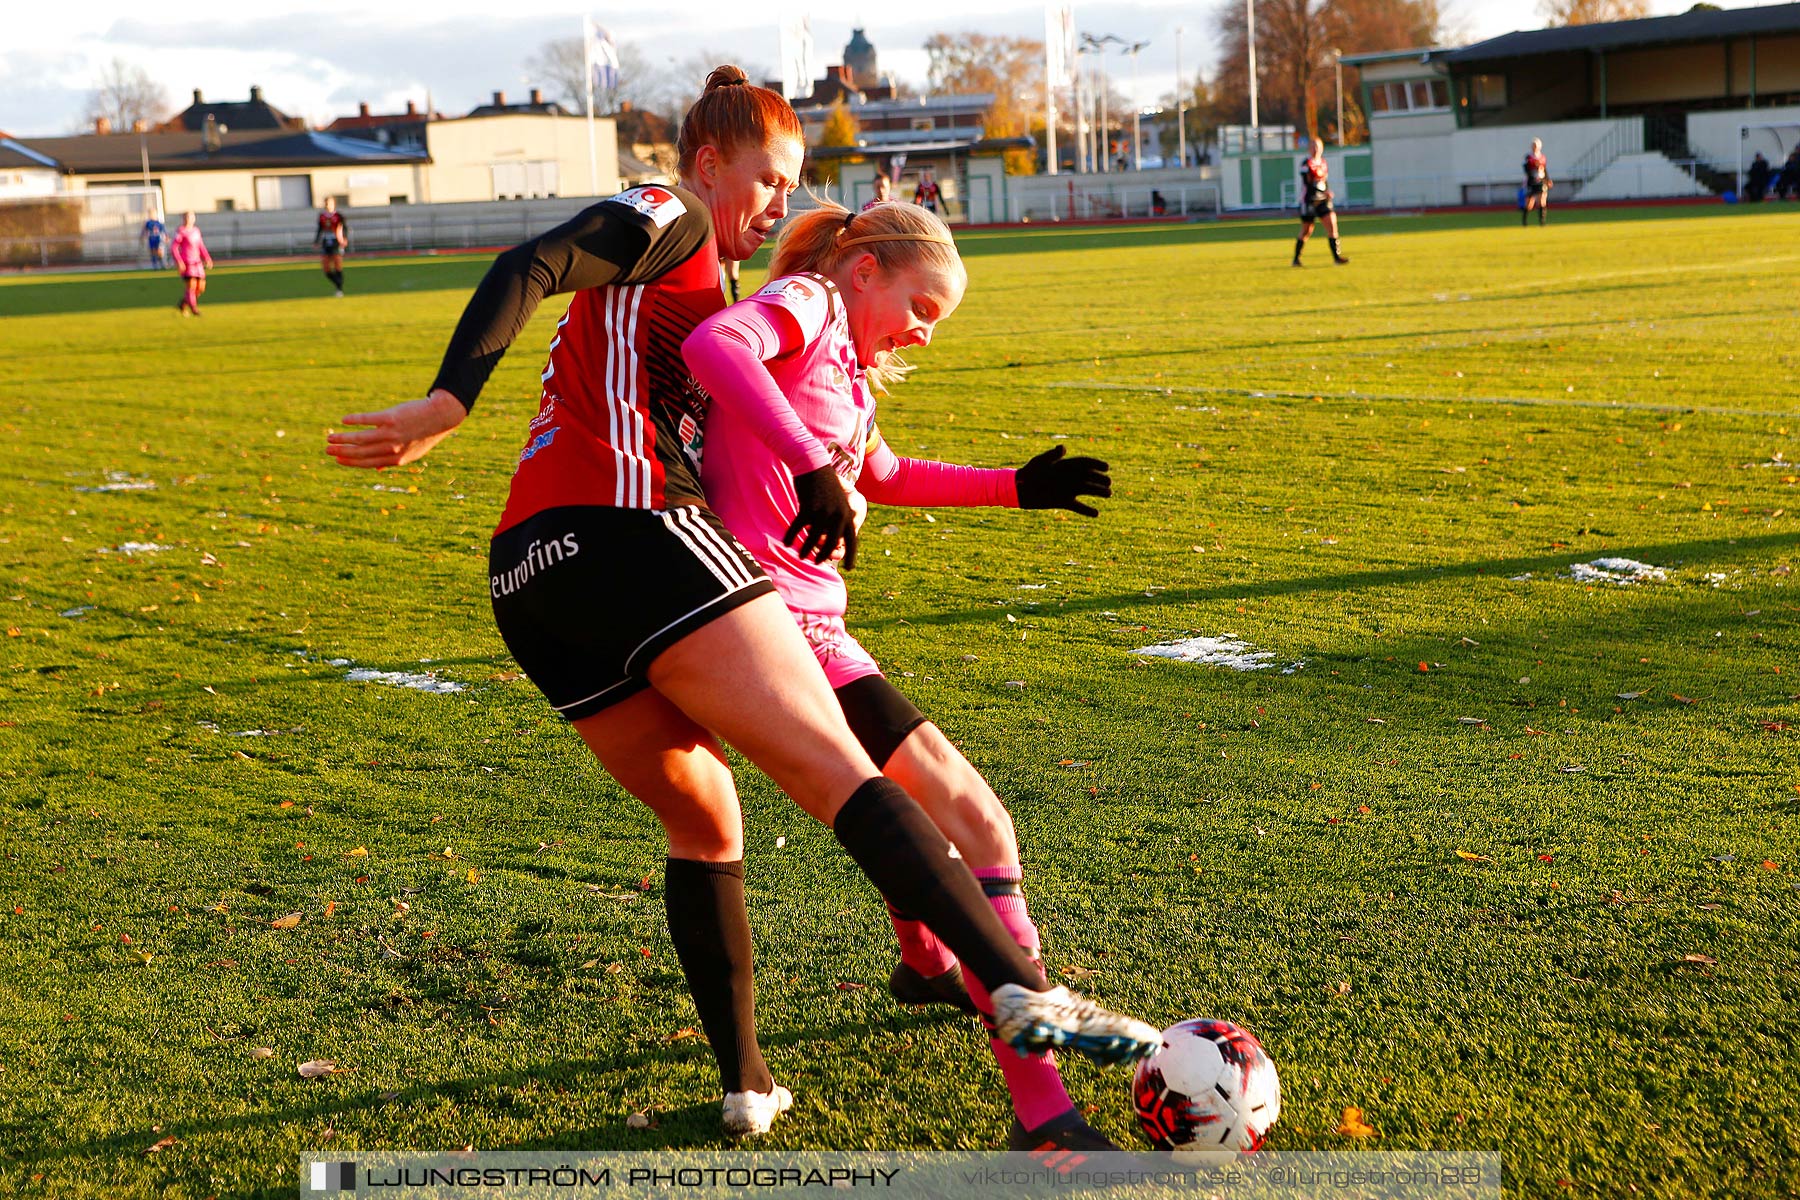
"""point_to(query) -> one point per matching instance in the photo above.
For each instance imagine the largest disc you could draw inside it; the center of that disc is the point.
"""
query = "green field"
(1444, 870)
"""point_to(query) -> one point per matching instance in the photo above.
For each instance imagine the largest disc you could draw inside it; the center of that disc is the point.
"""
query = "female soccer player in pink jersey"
(848, 292)
(649, 628)
(192, 261)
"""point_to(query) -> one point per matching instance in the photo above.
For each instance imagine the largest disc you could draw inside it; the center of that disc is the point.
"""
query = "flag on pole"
(1059, 46)
(603, 57)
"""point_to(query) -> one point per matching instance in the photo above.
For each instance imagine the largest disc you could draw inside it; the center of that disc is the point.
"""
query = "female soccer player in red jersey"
(191, 259)
(1315, 203)
(650, 628)
(1537, 184)
(332, 239)
(847, 292)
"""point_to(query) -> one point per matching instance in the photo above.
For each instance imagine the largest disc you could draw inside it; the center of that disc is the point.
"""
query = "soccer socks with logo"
(1335, 252)
(918, 871)
(1299, 245)
(711, 931)
(1035, 1084)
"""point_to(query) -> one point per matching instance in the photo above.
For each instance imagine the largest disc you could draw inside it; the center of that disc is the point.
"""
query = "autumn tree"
(1010, 69)
(840, 130)
(1295, 41)
(125, 94)
(1593, 12)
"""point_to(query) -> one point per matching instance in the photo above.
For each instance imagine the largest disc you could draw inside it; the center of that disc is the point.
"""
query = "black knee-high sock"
(337, 277)
(711, 931)
(910, 861)
(1524, 217)
(1299, 245)
(1334, 248)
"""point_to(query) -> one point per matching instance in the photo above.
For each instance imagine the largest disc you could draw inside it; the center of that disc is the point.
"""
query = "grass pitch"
(1448, 872)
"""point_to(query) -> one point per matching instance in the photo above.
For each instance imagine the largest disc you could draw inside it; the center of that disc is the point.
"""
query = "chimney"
(255, 94)
(499, 99)
(209, 133)
(362, 108)
(844, 75)
(412, 109)
(624, 106)
(102, 126)
(537, 96)
(198, 98)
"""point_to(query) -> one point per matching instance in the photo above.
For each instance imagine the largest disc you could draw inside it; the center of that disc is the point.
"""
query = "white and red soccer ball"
(1211, 1087)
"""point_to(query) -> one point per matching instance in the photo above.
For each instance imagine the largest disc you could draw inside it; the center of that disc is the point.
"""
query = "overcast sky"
(320, 59)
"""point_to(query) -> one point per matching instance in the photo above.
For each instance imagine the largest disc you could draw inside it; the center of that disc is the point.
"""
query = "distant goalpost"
(1776, 141)
(99, 225)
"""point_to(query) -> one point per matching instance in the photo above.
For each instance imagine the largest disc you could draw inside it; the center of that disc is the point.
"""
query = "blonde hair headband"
(897, 237)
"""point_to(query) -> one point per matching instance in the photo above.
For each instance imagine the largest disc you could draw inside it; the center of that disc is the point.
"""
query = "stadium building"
(1659, 107)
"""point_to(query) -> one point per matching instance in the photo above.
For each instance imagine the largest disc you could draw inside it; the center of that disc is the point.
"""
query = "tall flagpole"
(587, 56)
(1250, 29)
(1180, 104)
(1052, 61)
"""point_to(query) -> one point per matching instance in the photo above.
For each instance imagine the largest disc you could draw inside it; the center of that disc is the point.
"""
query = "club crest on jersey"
(659, 204)
(798, 291)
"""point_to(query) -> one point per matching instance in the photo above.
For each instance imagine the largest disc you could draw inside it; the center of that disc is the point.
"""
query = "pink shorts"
(842, 656)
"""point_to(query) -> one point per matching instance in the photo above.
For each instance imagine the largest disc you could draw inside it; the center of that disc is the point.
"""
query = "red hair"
(733, 114)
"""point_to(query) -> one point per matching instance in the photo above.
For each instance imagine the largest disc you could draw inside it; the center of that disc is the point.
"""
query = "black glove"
(1052, 481)
(825, 518)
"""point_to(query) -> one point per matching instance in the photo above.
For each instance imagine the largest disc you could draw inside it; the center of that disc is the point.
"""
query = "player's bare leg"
(678, 770)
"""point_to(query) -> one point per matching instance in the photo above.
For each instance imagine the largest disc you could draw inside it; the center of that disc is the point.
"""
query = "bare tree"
(125, 94)
(560, 67)
(1593, 12)
(665, 89)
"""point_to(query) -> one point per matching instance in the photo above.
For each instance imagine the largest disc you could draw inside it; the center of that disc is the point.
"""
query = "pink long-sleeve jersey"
(788, 396)
(189, 252)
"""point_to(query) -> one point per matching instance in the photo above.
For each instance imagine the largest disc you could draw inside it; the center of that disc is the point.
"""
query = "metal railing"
(1118, 204)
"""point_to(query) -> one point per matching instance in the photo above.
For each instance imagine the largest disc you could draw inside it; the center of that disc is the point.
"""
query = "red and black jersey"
(1315, 179)
(1537, 168)
(926, 194)
(618, 407)
(332, 224)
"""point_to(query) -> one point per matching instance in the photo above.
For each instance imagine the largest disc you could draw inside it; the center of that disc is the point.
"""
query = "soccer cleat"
(1052, 1142)
(340, 293)
(754, 1112)
(1037, 1022)
(1341, 260)
(909, 986)
(1297, 262)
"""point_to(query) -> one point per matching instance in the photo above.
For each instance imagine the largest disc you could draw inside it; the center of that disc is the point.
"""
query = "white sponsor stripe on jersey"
(721, 549)
(550, 362)
(613, 416)
(637, 408)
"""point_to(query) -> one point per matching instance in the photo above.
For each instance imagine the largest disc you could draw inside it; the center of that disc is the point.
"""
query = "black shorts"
(1312, 212)
(879, 716)
(331, 247)
(1538, 188)
(587, 597)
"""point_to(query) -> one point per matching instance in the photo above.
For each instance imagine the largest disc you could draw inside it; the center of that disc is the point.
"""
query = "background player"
(884, 190)
(154, 234)
(926, 194)
(1315, 203)
(1537, 184)
(850, 291)
(192, 260)
(333, 238)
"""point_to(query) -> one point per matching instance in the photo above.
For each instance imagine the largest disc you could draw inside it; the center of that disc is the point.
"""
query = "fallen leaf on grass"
(1700, 960)
(1354, 1126)
(638, 1120)
(1771, 865)
(288, 922)
(1471, 721)
(162, 1144)
(1571, 769)
(1078, 972)
(845, 985)
(1632, 695)
(1374, 721)
(359, 852)
(1680, 699)
(683, 1034)
(263, 1052)
(317, 1068)
(1466, 856)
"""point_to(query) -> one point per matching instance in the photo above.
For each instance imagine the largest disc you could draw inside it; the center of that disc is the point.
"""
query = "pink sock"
(1035, 1084)
(919, 947)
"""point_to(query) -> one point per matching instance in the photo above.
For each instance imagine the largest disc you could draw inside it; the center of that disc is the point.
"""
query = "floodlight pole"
(1250, 41)
(1337, 58)
(1180, 105)
(1137, 109)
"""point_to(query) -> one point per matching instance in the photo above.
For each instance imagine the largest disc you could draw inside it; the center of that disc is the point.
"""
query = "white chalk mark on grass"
(135, 548)
(426, 682)
(1621, 572)
(122, 481)
(1227, 650)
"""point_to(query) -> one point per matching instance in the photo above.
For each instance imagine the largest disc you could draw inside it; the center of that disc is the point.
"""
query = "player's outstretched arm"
(1052, 481)
(398, 435)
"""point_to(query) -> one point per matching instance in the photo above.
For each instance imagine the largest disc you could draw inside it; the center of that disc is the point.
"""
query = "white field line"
(1379, 397)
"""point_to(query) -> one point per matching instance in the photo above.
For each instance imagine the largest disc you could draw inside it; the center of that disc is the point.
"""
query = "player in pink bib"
(789, 372)
(192, 261)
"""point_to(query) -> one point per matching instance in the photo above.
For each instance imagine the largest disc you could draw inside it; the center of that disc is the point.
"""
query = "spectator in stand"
(1789, 183)
(1756, 182)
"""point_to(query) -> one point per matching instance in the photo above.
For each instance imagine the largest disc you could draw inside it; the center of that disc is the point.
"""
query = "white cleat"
(754, 1112)
(340, 294)
(1037, 1022)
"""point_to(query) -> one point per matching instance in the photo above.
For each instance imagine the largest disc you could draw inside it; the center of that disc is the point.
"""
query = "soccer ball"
(1211, 1087)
